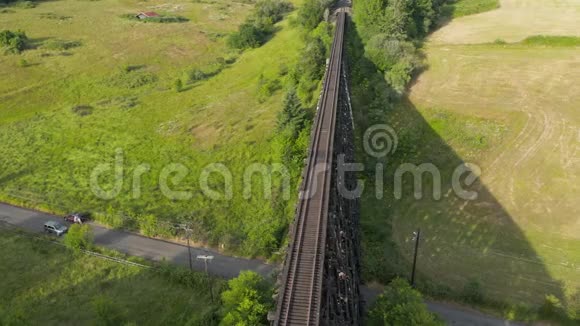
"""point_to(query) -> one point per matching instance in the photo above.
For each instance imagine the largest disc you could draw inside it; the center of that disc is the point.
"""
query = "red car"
(79, 218)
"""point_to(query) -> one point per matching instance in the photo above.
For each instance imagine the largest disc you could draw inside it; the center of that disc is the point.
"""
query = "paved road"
(136, 245)
(225, 266)
(456, 315)
(452, 314)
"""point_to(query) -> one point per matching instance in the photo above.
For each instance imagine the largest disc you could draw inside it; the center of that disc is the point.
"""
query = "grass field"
(125, 72)
(456, 9)
(47, 284)
(514, 20)
(512, 110)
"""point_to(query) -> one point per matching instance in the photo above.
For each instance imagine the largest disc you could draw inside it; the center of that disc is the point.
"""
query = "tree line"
(259, 26)
(391, 31)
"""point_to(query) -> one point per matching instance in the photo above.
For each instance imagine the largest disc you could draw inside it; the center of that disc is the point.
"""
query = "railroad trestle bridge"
(319, 284)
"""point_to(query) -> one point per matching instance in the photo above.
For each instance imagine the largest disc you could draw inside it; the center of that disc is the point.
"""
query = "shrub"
(282, 70)
(399, 76)
(111, 219)
(25, 4)
(13, 42)
(159, 19)
(107, 312)
(82, 110)
(196, 74)
(148, 225)
(16, 317)
(60, 45)
(272, 10)
(256, 30)
(78, 237)
(249, 36)
(400, 304)
(574, 305)
(166, 19)
(132, 79)
(292, 114)
(178, 85)
(182, 276)
(312, 13)
(397, 59)
(53, 16)
(473, 292)
(385, 51)
(267, 87)
(552, 307)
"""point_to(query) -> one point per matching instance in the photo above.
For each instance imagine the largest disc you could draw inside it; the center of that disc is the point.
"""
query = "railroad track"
(299, 300)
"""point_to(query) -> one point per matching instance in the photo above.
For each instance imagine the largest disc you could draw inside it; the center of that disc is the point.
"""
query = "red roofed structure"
(147, 14)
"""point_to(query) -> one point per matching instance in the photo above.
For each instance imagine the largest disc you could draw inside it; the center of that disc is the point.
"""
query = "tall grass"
(51, 285)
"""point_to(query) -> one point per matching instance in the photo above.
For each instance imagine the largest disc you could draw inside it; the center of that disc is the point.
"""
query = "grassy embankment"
(65, 111)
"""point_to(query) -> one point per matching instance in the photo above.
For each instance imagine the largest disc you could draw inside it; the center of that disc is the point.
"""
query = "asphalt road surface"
(137, 245)
(224, 266)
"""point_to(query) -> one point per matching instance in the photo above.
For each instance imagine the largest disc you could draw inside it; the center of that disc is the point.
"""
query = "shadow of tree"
(462, 240)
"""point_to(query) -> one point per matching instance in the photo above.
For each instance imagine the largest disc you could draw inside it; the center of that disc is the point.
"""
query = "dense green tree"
(79, 237)
(311, 68)
(324, 33)
(247, 300)
(424, 16)
(248, 36)
(259, 26)
(389, 29)
(399, 76)
(312, 13)
(400, 304)
(272, 10)
(386, 51)
(369, 17)
(397, 21)
(292, 114)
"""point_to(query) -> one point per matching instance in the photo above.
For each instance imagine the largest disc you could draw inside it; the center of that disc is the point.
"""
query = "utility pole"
(205, 259)
(189, 252)
(187, 230)
(417, 238)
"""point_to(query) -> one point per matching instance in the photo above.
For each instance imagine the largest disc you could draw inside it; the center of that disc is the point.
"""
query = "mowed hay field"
(512, 109)
(513, 21)
(66, 111)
